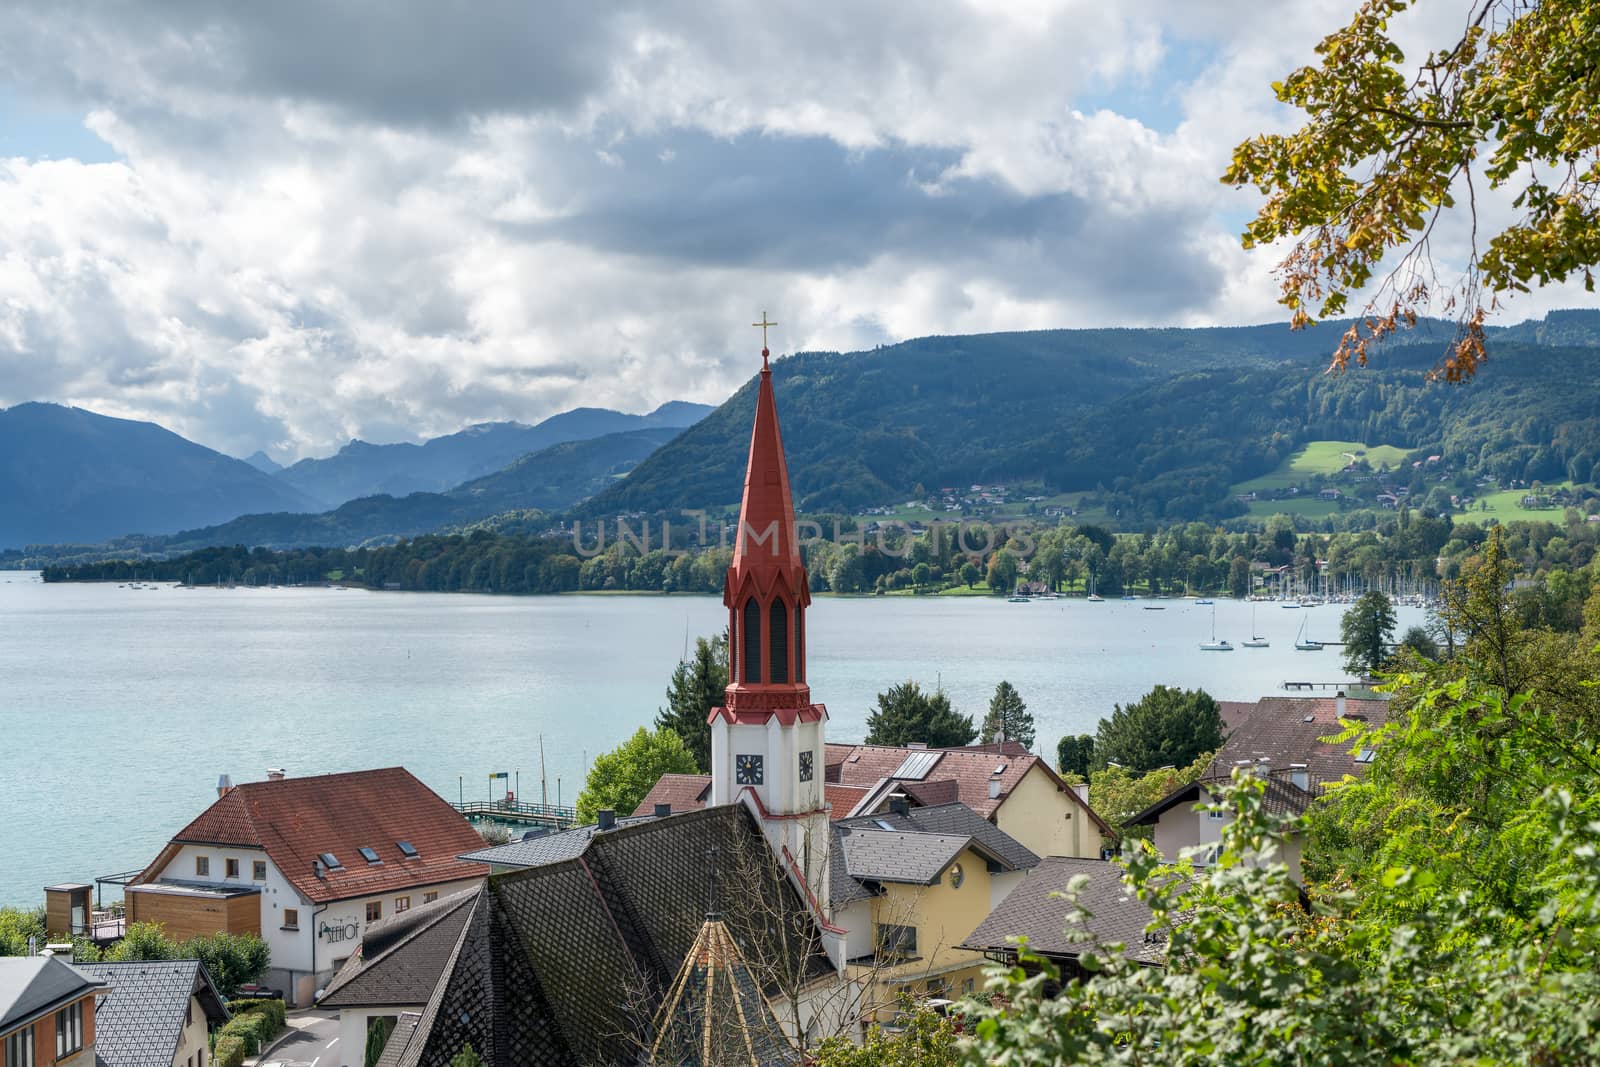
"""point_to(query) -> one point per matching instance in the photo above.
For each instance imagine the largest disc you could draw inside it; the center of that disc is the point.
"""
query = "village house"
(1280, 738)
(306, 864)
(154, 1013)
(1039, 910)
(46, 1012)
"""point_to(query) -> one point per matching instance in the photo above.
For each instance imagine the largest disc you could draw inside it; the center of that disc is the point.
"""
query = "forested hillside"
(1161, 423)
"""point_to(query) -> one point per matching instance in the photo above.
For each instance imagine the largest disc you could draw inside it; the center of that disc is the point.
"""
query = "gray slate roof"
(898, 855)
(566, 963)
(401, 957)
(139, 1019)
(550, 848)
(955, 818)
(1033, 910)
(1282, 797)
(31, 984)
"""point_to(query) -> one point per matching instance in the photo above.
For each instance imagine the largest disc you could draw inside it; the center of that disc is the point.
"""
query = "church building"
(767, 744)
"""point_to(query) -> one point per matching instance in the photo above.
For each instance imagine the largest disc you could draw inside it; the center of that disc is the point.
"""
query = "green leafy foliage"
(618, 780)
(1366, 630)
(1167, 727)
(1387, 145)
(697, 686)
(228, 1051)
(1075, 755)
(1117, 794)
(1008, 718)
(17, 925)
(466, 1058)
(921, 1038)
(905, 715)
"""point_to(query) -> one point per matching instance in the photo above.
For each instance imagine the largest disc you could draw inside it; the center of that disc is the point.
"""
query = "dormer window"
(369, 854)
(330, 861)
(407, 849)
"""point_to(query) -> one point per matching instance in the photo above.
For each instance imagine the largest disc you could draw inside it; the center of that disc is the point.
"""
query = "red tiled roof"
(968, 768)
(843, 798)
(685, 792)
(296, 819)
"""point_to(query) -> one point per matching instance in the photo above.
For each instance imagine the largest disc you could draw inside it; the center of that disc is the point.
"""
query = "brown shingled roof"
(685, 792)
(294, 820)
(1288, 730)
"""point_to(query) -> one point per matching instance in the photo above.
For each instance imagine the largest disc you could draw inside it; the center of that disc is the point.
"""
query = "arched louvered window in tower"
(780, 641)
(751, 645)
(799, 646)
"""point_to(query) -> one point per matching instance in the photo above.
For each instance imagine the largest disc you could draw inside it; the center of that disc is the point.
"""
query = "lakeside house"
(46, 1012)
(306, 864)
(1280, 738)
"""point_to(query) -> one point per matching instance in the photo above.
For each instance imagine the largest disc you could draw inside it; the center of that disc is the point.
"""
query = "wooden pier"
(1346, 686)
(552, 816)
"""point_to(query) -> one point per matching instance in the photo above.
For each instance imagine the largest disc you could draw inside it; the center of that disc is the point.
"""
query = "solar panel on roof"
(916, 766)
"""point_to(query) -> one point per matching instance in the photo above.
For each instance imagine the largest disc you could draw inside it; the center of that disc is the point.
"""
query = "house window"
(258, 870)
(230, 867)
(291, 918)
(69, 1029)
(896, 942)
(429, 898)
(202, 866)
(402, 904)
(1216, 813)
(374, 910)
(19, 1048)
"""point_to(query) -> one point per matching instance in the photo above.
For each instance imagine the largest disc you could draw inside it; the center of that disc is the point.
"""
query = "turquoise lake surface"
(119, 707)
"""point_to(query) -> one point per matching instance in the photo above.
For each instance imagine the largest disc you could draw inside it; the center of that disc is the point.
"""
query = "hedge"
(229, 1051)
(272, 1008)
(255, 1029)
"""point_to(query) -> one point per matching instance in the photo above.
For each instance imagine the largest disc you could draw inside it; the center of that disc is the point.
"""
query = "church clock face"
(805, 766)
(747, 769)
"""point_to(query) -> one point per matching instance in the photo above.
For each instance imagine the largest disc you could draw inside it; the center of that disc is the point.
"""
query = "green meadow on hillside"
(1322, 457)
(1506, 506)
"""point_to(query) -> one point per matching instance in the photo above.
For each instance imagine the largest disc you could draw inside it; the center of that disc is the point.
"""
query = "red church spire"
(766, 589)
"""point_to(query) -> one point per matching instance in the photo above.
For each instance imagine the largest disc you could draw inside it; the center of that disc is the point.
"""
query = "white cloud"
(328, 224)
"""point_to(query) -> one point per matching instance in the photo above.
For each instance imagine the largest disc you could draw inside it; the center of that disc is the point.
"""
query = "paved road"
(315, 1042)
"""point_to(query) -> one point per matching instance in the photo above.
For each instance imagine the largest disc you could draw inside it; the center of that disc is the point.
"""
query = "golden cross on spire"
(763, 324)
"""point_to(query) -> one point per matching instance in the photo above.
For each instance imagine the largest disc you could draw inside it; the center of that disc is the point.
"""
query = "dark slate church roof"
(714, 1015)
(401, 957)
(567, 963)
(138, 1021)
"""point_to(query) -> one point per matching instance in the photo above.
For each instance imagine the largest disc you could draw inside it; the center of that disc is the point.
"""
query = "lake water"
(119, 707)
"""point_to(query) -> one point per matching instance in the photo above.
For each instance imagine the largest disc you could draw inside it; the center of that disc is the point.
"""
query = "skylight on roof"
(407, 849)
(883, 824)
(916, 766)
(1365, 755)
(369, 854)
(330, 861)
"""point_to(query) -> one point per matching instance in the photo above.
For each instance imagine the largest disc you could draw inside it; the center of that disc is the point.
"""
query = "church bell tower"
(767, 738)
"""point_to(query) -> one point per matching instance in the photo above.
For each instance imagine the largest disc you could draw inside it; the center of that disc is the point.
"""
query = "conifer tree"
(905, 714)
(1008, 718)
(698, 685)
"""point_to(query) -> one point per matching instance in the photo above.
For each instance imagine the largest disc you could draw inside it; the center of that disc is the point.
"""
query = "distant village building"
(307, 864)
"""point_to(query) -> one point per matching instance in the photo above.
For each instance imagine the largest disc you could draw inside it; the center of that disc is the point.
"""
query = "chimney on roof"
(916, 744)
(994, 788)
(318, 870)
(224, 783)
(276, 774)
(663, 810)
(61, 951)
(1300, 775)
(1338, 704)
(606, 818)
(1263, 766)
(1082, 789)
(899, 804)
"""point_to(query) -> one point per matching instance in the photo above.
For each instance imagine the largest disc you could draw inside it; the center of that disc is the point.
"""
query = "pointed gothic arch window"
(799, 647)
(779, 629)
(751, 646)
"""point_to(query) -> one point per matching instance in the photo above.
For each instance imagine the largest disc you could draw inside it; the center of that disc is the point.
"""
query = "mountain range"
(1160, 425)
(70, 476)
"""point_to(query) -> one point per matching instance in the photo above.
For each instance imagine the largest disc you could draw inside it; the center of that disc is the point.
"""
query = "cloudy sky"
(283, 225)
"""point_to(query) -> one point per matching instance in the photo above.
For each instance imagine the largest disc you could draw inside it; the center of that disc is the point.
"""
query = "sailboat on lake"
(1303, 640)
(1256, 640)
(1214, 645)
